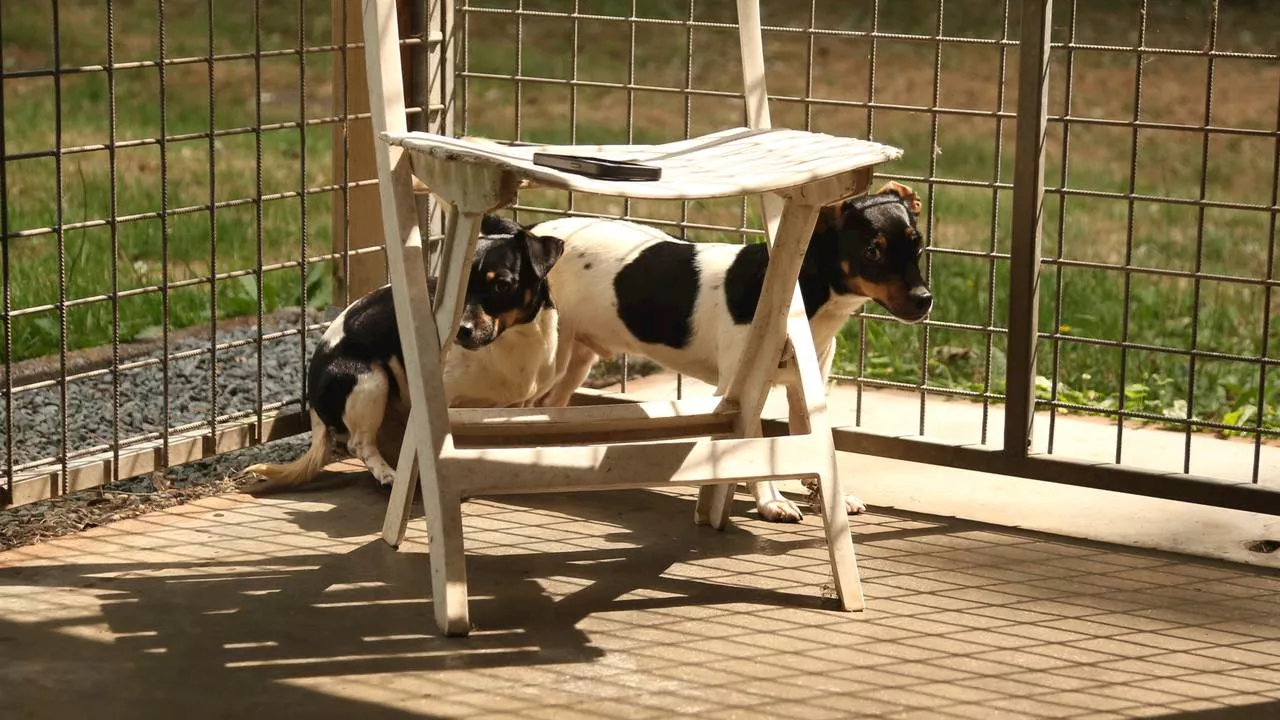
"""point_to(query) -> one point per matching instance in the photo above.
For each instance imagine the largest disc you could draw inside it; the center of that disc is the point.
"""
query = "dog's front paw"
(385, 476)
(781, 511)
(853, 505)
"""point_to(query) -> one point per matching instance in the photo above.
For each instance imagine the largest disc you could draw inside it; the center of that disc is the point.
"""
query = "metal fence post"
(1028, 203)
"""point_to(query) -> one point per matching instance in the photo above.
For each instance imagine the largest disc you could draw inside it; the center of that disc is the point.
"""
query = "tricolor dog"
(507, 340)
(628, 288)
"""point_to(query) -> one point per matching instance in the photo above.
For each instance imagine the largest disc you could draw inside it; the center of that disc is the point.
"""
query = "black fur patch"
(656, 294)
(369, 339)
(497, 225)
(744, 282)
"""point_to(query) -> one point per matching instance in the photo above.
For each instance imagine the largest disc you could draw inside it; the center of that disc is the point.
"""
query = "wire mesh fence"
(178, 189)
(1156, 290)
(174, 194)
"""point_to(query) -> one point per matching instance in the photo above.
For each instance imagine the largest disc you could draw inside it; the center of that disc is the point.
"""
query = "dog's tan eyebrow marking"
(490, 275)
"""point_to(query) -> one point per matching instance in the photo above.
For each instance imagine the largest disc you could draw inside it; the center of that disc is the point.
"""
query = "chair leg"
(396, 521)
(807, 401)
(443, 511)
(749, 383)
(714, 505)
(462, 233)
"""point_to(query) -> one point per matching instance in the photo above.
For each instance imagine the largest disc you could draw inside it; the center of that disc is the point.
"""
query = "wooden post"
(368, 271)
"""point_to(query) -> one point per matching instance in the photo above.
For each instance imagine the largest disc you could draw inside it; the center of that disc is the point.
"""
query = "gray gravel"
(38, 416)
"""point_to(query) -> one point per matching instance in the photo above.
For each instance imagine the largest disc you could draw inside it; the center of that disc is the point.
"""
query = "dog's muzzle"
(919, 303)
(471, 337)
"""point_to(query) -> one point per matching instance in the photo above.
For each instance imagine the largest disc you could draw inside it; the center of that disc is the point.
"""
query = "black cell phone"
(598, 167)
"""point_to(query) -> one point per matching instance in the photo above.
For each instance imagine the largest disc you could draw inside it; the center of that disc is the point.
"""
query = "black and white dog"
(508, 339)
(628, 288)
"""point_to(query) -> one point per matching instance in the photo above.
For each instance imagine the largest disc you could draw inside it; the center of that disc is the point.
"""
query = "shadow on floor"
(292, 607)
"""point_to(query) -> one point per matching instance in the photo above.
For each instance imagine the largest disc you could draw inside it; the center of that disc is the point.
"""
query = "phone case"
(598, 167)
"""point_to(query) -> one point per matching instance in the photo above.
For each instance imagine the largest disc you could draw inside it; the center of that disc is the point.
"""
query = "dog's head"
(877, 248)
(508, 282)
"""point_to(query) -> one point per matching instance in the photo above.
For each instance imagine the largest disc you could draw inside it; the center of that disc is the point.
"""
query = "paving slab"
(615, 605)
(1018, 502)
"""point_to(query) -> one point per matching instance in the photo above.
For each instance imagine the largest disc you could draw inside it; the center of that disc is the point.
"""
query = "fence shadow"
(295, 608)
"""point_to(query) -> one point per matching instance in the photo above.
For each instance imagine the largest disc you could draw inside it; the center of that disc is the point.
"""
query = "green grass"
(1092, 304)
(30, 114)
(1097, 230)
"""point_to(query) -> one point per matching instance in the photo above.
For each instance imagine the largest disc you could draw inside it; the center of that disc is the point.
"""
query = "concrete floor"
(1017, 502)
(614, 605)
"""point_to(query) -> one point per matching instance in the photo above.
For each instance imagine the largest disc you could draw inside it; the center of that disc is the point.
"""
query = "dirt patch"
(40, 521)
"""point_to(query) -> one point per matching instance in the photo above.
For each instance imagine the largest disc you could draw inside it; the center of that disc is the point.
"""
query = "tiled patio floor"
(614, 605)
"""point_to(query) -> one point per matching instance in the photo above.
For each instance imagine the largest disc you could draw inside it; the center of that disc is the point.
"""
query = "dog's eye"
(872, 253)
(502, 285)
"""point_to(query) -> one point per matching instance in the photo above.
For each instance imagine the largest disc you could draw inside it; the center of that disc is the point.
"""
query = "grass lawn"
(1083, 300)
(969, 226)
(30, 126)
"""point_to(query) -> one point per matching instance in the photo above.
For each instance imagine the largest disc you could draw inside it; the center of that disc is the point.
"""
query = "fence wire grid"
(180, 187)
(174, 190)
(1158, 272)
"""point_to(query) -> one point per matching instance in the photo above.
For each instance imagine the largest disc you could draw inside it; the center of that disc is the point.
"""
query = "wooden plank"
(1200, 489)
(499, 471)
(42, 483)
(461, 235)
(368, 271)
(808, 413)
(671, 413)
(590, 424)
(750, 380)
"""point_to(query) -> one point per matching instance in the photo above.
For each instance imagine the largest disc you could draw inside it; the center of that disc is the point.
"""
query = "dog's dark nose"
(921, 299)
(466, 332)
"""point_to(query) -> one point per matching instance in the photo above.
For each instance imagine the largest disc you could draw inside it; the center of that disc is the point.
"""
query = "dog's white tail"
(300, 471)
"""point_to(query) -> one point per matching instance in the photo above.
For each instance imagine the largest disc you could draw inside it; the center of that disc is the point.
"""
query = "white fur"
(513, 370)
(589, 325)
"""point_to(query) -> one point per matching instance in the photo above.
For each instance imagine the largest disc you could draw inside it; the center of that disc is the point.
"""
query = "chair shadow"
(272, 635)
(241, 637)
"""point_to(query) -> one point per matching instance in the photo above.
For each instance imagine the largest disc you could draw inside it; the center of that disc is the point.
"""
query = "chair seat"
(728, 163)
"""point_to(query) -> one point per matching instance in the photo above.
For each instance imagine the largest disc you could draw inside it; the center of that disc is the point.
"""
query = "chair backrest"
(382, 31)
(751, 43)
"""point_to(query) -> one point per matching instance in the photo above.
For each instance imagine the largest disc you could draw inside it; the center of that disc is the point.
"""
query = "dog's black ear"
(830, 218)
(544, 251)
(498, 225)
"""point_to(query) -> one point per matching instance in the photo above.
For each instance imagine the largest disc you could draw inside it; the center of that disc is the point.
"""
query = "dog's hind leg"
(363, 415)
(852, 505)
(770, 503)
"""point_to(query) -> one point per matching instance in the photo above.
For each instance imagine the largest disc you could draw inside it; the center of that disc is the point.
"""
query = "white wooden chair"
(711, 442)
